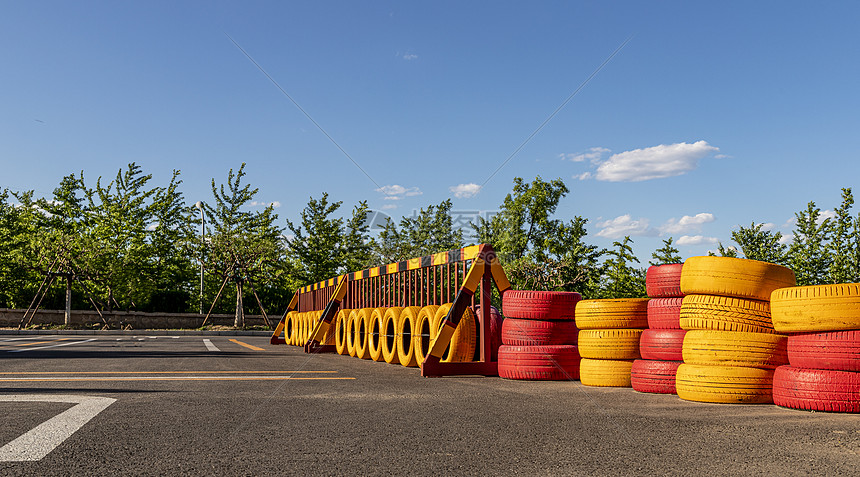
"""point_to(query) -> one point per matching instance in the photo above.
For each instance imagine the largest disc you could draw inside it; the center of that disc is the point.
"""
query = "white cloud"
(397, 192)
(686, 223)
(768, 226)
(655, 162)
(583, 176)
(625, 225)
(696, 240)
(410, 56)
(593, 154)
(389, 206)
(465, 191)
(786, 239)
(824, 215)
(255, 203)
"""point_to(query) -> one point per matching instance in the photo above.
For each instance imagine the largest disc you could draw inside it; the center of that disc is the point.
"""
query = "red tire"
(496, 321)
(519, 332)
(816, 389)
(662, 345)
(834, 350)
(665, 313)
(540, 305)
(542, 363)
(649, 376)
(663, 280)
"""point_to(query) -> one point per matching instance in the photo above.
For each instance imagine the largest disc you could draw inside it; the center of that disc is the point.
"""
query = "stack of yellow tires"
(730, 350)
(610, 330)
(660, 345)
(823, 347)
(401, 335)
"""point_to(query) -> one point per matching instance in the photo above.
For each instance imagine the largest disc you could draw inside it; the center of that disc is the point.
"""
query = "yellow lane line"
(174, 378)
(255, 348)
(41, 342)
(166, 372)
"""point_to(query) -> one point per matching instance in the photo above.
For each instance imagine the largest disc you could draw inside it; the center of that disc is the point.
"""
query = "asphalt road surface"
(123, 405)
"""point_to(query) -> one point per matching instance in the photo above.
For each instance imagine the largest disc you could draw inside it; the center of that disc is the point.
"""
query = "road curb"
(139, 332)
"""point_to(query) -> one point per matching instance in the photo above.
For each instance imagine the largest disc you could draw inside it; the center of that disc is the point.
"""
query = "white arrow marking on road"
(209, 345)
(42, 439)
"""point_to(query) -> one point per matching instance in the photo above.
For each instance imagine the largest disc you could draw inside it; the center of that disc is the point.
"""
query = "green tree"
(540, 252)
(724, 251)
(171, 244)
(807, 255)
(428, 231)
(15, 235)
(843, 267)
(666, 254)
(622, 278)
(324, 245)
(246, 247)
(759, 244)
(119, 214)
(316, 242)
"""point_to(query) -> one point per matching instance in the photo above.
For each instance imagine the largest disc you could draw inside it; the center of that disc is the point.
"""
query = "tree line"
(129, 244)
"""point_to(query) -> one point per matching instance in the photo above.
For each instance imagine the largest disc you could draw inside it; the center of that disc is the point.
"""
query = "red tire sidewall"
(521, 332)
(663, 280)
(540, 305)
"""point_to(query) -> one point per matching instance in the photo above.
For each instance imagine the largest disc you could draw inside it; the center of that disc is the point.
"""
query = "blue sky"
(713, 115)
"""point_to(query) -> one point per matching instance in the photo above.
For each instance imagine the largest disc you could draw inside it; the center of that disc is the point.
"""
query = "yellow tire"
(609, 344)
(711, 312)
(605, 372)
(816, 308)
(309, 326)
(424, 332)
(735, 348)
(462, 347)
(612, 313)
(301, 329)
(350, 332)
(405, 332)
(375, 333)
(329, 337)
(340, 326)
(388, 338)
(736, 277)
(362, 327)
(289, 327)
(724, 384)
(303, 338)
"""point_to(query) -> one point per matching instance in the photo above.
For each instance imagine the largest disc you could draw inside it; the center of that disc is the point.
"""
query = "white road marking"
(209, 345)
(68, 343)
(42, 439)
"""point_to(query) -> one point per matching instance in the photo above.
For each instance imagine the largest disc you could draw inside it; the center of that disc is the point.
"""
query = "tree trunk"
(68, 315)
(240, 312)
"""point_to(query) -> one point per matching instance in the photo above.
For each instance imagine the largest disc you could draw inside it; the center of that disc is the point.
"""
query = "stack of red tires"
(539, 336)
(823, 373)
(661, 344)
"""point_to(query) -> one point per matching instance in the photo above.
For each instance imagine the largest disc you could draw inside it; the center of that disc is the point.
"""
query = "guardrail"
(462, 276)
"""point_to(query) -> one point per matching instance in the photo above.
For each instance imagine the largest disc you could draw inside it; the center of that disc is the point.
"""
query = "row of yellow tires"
(299, 325)
(394, 335)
